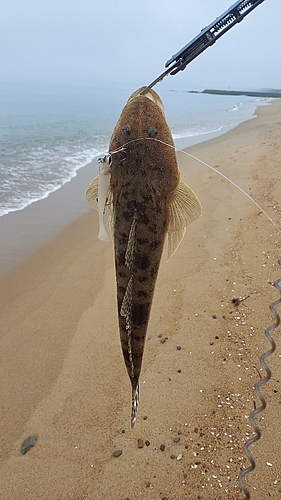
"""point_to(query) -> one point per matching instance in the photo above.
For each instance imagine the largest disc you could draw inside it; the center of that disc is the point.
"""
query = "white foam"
(38, 189)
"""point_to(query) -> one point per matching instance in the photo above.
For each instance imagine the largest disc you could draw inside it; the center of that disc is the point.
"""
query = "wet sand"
(25, 231)
(61, 369)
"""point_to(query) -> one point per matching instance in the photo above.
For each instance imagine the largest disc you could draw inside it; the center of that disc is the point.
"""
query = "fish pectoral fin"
(92, 193)
(174, 241)
(184, 209)
(92, 196)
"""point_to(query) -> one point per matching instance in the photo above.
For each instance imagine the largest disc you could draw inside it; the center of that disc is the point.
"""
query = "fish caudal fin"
(184, 209)
(135, 403)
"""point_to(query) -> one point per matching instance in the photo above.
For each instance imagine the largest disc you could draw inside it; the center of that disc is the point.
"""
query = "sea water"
(47, 133)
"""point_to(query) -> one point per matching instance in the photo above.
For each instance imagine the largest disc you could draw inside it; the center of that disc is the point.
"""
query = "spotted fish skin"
(146, 202)
(143, 182)
(136, 270)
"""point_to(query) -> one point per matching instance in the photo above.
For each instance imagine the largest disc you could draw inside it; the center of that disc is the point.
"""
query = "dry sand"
(61, 369)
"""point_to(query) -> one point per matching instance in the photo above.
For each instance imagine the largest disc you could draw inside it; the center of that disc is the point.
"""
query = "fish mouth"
(150, 94)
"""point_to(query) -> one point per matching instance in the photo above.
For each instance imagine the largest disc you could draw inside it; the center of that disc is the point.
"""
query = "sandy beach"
(62, 375)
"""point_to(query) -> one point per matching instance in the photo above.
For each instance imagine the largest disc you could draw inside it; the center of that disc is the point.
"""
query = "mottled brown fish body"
(143, 181)
(146, 201)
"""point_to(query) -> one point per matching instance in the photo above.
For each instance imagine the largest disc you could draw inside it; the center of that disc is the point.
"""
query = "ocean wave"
(33, 179)
(218, 130)
(45, 143)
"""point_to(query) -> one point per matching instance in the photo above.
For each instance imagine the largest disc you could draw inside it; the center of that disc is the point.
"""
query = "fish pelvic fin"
(183, 210)
(135, 403)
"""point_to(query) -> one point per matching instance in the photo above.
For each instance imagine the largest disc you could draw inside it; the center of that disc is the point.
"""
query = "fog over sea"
(47, 133)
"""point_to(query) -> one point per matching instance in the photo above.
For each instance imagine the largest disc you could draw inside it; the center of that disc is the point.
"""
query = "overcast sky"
(127, 42)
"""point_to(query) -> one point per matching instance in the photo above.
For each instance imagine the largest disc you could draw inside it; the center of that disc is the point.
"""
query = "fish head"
(143, 117)
(150, 94)
(143, 151)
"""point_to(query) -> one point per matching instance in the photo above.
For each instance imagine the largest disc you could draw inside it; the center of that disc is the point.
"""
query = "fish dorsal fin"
(126, 312)
(126, 306)
(130, 251)
(135, 403)
(184, 209)
(93, 198)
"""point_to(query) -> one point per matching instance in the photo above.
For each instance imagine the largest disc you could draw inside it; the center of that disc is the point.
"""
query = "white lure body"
(104, 180)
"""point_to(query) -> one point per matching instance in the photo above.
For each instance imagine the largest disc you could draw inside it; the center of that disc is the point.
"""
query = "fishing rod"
(207, 37)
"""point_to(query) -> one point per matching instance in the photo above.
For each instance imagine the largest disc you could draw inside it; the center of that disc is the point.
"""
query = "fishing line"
(123, 149)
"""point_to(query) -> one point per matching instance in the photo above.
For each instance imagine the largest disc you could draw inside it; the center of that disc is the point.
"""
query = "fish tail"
(135, 403)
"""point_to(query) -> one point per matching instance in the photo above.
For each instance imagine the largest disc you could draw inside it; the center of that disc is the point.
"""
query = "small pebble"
(28, 443)
(173, 456)
(140, 443)
(179, 371)
(176, 439)
(117, 453)
(179, 457)
(178, 347)
(216, 337)
(148, 484)
(123, 431)
(162, 447)
(214, 316)
(147, 442)
(163, 341)
(145, 417)
(164, 498)
(160, 335)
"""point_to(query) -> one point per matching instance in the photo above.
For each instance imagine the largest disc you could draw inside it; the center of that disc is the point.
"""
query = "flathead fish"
(139, 187)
